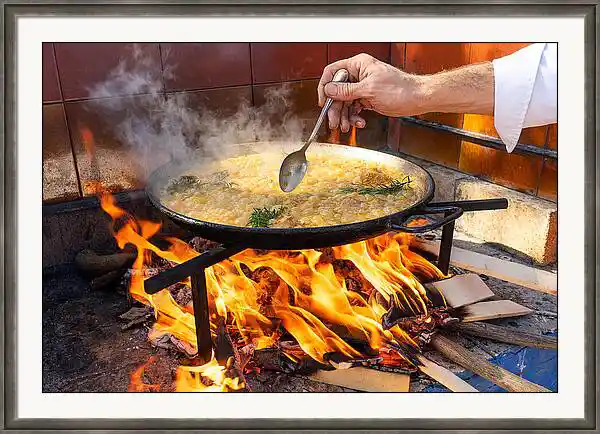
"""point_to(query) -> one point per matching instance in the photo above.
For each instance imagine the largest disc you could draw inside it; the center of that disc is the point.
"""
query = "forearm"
(469, 89)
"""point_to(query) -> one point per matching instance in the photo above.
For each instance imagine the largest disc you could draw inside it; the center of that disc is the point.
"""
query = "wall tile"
(274, 62)
(398, 59)
(429, 144)
(393, 136)
(485, 125)
(344, 50)
(548, 187)
(300, 97)
(84, 65)
(374, 135)
(59, 176)
(398, 54)
(50, 90)
(553, 137)
(511, 170)
(485, 51)
(205, 65)
(112, 162)
(429, 58)
(220, 102)
(287, 105)
(473, 157)
(481, 52)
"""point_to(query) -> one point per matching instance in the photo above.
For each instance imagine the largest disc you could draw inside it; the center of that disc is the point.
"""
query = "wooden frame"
(8, 417)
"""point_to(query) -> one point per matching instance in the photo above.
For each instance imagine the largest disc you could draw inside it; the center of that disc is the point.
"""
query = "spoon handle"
(340, 76)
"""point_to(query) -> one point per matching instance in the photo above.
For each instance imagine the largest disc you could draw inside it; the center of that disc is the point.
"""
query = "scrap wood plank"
(463, 289)
(364, 379)
(510, 335)
(486, 310)
(444, 376)
(480, 366)
(519, 274)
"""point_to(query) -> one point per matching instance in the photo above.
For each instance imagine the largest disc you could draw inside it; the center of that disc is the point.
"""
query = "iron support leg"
(446, 247)
(202, 320)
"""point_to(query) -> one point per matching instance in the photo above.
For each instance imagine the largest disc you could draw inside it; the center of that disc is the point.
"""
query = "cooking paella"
(243, 190)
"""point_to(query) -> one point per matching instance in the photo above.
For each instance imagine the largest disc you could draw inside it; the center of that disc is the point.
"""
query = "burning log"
(106, 279)
(92, 264)
(479, 365)
(509, 335)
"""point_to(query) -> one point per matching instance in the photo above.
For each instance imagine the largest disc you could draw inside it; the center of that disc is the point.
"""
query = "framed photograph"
(300, 217)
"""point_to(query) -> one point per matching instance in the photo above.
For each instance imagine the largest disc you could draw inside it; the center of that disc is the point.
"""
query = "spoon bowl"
(294, 166)
(292, 171)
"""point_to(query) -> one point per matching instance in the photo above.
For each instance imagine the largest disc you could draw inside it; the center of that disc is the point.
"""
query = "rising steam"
(158, 126)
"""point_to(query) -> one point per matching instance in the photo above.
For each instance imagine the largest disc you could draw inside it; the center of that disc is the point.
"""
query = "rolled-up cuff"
(514, 80)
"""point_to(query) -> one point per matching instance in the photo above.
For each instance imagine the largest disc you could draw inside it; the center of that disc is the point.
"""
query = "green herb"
(186, 182)
(183, 183)
(394, 187)
(263, 217)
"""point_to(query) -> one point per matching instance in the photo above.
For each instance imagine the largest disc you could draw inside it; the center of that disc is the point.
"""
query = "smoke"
(158, 127)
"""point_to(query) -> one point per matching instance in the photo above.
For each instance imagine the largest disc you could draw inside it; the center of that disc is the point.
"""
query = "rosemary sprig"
(183, 183)
(186, 182)
(395, 187)
(263, 217)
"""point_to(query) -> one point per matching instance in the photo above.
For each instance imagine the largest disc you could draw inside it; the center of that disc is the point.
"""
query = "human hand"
(374, 85)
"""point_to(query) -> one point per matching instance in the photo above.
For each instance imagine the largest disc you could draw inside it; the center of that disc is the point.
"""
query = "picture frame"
(8, 182)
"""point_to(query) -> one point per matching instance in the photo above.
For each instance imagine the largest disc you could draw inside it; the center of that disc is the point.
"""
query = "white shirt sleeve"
(525, 91)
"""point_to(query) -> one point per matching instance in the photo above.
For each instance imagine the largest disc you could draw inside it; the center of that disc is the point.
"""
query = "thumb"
(343, 91)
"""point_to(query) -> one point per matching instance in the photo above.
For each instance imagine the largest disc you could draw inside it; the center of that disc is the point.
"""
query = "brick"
(529, 225)
(445, 179)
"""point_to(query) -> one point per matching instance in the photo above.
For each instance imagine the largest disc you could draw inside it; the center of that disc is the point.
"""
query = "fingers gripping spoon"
(294, 166)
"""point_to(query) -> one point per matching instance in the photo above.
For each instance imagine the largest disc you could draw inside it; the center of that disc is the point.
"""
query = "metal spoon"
(294, 166)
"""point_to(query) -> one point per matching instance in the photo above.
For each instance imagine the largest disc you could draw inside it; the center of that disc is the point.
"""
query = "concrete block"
(529, 225)
(445, 179)
(445, 182)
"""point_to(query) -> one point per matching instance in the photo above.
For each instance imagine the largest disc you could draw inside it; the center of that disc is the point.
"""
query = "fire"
(254, 291)
(190, 378)
(137, 384)
(352, 141)
(258, 292)
(94, 185)
(334, 137)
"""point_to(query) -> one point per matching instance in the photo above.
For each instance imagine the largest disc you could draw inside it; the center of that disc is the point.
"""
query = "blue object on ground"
(539, 366)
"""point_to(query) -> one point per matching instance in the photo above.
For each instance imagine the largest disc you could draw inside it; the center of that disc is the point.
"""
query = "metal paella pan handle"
(451, 213)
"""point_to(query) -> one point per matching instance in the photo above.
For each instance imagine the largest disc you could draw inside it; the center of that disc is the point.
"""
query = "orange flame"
(193, 378)
(256, 291)
(352, 141)
(309, 299)
(334, 137)
(137, 384)
(91, 186)
(88, 141)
